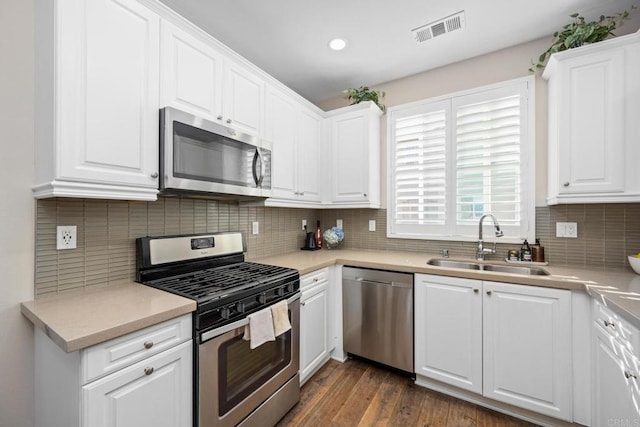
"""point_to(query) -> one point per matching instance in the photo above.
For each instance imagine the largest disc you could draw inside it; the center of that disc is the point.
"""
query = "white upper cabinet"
(281, 115)
(310, 152)
(191, 73)
(97, 78)
(593, 129)
(197, 78)
(355, 156)
(243, 99)
(294, 132)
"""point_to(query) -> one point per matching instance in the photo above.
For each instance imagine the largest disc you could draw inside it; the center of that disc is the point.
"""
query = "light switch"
(255, 227)
(372, 225)
(567, 229)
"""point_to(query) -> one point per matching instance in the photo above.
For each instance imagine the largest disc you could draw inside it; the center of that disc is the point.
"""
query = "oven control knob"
(290, 288)
(280, 291)
(262, 298)
(240, 307)
(225, 312)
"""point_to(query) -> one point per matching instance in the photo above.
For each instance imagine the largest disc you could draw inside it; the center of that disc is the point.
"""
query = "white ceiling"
(289, 38)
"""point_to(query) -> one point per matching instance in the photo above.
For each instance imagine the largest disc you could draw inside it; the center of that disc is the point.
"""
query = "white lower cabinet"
(143, 379)
(155, 392)
(510, 343)
(315, 322)
(616, 391)
(448, 324)
(527, 347)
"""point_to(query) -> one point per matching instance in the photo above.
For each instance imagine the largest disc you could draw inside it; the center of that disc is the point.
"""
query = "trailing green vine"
(580, 32)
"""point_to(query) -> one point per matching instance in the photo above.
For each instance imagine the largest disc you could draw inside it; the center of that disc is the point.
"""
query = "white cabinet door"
(310, 163)
(243, 99)
(613, 392)
(527, 347)
(295, 134)
(314, 335)
(355, 156)
(191, 73)
(155, 392)
(102, 58)
(281, 114)
(448, 325)
(350, 158)
(591, 123)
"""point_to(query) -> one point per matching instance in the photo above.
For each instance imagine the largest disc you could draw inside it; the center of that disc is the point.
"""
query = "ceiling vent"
(437, 28)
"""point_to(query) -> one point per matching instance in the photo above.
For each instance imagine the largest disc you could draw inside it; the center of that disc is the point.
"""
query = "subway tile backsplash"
(107, 230)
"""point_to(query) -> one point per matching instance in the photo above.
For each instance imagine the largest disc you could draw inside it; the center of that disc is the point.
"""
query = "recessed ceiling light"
(337, 44)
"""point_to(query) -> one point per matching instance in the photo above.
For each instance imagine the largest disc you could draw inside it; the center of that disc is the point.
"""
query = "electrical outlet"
(66, 237)
(571, 230)
(372, 225)
(304, 223)
(255, 227)
(339, 223)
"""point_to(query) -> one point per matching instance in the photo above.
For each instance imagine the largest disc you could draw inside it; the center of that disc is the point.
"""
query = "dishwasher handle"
(385, 283)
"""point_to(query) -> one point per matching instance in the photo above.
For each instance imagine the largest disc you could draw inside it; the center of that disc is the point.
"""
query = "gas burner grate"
(203, 283)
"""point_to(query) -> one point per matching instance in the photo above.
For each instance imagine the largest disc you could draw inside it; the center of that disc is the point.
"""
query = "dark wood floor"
(355, 393)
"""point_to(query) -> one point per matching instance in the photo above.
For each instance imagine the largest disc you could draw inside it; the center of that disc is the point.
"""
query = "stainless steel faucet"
(481, 251)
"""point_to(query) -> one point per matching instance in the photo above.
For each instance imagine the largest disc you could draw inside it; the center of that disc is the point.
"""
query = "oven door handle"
(238, 324)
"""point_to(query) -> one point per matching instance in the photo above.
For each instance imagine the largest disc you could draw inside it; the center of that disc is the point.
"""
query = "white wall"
(16, 211)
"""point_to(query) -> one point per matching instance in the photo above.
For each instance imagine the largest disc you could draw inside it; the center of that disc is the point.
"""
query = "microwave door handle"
(258, 157)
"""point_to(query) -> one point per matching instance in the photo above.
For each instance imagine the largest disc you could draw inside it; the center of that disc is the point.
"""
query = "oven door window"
(242, 370)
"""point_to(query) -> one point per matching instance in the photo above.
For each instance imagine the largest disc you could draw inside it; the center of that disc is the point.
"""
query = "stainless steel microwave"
(202, 157)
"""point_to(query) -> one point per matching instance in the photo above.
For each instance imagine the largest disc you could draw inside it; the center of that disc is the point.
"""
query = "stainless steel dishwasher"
(377, 313)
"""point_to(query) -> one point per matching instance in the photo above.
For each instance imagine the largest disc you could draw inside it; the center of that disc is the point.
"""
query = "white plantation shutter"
(420, 167)
(453, 160)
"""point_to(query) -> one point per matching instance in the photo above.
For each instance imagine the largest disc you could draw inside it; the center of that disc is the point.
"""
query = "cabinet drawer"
(617, 327)
(312, 279)
(120, 352)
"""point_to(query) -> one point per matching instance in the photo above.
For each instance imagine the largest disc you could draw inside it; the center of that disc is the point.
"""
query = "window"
(455, 158)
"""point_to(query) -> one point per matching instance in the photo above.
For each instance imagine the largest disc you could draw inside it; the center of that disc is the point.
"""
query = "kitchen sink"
(453, 264)
(497, 268)
(529, 271)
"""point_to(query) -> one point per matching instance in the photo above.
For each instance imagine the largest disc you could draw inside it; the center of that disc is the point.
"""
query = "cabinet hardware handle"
(607, 324)
(148, 344)
(228, 120)
(296, 193)
(365, 194)
(488, 292)
(302, 194)
(628, 375)
(219, 117)
(315, 279)
(303, 303)
(475, 291)
(566, 184)
(148, 371)
(154, 175)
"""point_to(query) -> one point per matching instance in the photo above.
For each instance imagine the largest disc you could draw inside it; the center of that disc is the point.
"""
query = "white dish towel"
(280, 313)
(260, 328)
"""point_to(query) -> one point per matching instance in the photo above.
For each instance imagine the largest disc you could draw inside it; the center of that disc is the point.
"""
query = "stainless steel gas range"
(233, 384)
